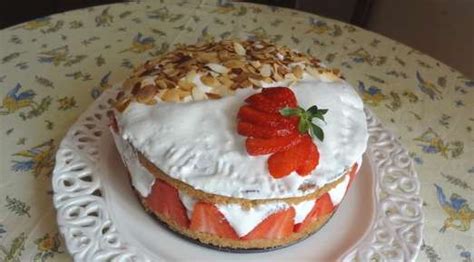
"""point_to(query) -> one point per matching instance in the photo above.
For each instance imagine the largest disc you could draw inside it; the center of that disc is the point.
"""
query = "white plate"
(101, 219)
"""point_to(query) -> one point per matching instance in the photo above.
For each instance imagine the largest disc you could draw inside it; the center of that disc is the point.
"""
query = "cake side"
(306, 217)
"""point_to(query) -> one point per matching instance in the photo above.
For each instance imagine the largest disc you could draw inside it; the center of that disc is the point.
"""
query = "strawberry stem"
(305, 124)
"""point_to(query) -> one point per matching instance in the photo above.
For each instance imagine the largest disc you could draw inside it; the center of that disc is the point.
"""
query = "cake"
(239, 145)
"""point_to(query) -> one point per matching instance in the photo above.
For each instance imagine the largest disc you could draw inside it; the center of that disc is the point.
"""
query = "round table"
(52, 68)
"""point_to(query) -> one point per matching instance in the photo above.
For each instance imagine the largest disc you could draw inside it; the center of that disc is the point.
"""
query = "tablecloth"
(53, 67)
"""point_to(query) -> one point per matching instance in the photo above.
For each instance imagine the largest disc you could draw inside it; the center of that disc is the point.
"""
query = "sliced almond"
(146, 93)
(234, 64)
(213, 96)
(209, 80)
(266, 70)
(218, 68)
(239, 49)
(197, 94)
(121, 105)
(256, 64)
(170, 95)
(255, 82)
(297, 71)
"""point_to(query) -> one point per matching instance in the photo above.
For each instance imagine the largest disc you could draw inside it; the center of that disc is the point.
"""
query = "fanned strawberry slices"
(275, 124)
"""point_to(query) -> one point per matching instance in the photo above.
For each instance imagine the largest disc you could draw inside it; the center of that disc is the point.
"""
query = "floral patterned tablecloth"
(52, 68)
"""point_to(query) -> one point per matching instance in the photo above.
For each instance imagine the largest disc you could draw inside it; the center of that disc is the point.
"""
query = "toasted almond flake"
(266, 70)
(170, 95)
(297, 71)
(161, 84)
(186, 86)
(277, 77)
(255, 82)
(255, 64)
(136, 88)
(208, 80)
(239, 49)
(234, 64)
(312, 71)
(213, 96)
(197, 94)
(218, 68)
(190, 76)
(146, 93)
(121, 105)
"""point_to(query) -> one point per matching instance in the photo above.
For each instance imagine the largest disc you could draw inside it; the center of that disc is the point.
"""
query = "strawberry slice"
(352, 175)
(207, 218)
(262, 103)
(113, 121)
(277, 226)
(312, 157)
(282, 96)
(164, 200)
(259, 146)
(322, 207)
(283, 163)
(251, 130)
(252, 115)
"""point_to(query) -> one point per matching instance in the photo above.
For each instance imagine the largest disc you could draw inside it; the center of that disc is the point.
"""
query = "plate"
(100, 218)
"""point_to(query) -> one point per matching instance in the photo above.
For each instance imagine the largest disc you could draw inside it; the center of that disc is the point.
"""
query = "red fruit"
(322, 207)
(251, 130)
(252, 115)
(352, 174)
(260, 146)
(262, 103)
(113, 122)
(277, 226)
(312, 158)
(164, 200)
(283, 163)
(207, 218)
(282, 96)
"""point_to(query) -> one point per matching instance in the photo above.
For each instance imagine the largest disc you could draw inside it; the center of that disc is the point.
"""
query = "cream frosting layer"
(197, 142)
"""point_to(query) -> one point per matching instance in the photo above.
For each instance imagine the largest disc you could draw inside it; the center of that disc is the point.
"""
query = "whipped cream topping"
(338, 192)
(141, 178)
(198, 143)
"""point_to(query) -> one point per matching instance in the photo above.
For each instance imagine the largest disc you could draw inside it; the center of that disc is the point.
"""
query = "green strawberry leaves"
(305, 123)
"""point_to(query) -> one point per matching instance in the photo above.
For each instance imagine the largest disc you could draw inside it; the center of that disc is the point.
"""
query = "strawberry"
(282, 96)
(164, 200)
(275, 124)
(252, 115)
(207, 218)
(251, 130)
(259, 146)
(113, 121)
(262, 103)
(352, 175)
(312, 158)
(322, 207)
(277, 226)
(283, 163)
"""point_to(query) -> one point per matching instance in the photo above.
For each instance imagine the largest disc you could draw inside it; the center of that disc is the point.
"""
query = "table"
(52, 68)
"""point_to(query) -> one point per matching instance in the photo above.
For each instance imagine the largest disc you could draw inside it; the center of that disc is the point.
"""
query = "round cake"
(239, 145)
